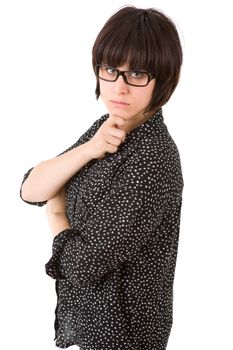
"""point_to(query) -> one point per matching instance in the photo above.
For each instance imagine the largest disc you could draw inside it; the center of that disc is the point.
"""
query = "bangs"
(132, 44)
(141, 39)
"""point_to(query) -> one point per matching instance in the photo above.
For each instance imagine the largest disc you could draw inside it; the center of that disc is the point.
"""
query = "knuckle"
(123, 134)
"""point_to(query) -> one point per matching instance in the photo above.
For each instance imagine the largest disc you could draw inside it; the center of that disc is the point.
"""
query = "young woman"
(114, 197)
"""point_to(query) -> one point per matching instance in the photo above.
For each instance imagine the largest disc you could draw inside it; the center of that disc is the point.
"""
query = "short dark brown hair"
(143, 39)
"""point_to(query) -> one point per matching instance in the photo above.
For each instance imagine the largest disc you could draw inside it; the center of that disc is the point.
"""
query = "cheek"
(146, 91)
(149, 92)
(143, 96)
(104, 88)
(150, 87)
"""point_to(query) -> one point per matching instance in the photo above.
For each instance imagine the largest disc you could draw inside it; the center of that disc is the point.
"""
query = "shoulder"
(88, 134)
(158, 162)
(157, 153)
(96, 125)
(100, 121)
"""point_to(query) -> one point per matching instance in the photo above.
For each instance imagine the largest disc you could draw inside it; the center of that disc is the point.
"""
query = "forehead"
(123, 67)
(126, 59)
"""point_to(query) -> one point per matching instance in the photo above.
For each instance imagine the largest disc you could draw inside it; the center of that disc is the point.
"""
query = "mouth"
(119, 103)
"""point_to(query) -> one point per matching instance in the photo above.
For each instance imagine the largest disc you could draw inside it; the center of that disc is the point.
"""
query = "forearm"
(58, 222)
(49, 176)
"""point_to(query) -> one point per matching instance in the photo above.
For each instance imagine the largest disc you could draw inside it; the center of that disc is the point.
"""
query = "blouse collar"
(150, 124)
(139, 136)
(148, 129)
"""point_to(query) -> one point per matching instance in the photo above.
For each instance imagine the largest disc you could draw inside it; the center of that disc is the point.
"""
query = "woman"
(114, 197)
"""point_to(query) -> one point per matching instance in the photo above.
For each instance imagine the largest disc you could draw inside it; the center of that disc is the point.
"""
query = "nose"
(120, 87)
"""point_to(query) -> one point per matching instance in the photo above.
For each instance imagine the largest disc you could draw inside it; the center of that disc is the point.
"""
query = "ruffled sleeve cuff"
(39, 204)
(52, 267)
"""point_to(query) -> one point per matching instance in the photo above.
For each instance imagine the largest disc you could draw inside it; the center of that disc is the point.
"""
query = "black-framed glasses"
(135, 77)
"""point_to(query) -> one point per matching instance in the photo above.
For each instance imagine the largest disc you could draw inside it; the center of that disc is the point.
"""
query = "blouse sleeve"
(124, 220)
(86, 136)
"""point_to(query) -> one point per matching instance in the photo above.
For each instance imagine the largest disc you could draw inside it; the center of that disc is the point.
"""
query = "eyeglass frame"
(122, 73)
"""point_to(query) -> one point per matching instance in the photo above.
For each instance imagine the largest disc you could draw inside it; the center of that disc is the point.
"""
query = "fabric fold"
(59, 241)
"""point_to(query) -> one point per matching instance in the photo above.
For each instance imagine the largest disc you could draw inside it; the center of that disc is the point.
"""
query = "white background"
(47, 102)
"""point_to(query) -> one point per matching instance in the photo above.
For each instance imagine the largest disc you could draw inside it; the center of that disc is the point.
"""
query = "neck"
(132, 124)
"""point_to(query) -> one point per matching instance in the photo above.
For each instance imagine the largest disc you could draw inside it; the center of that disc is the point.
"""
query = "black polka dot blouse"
(114, 269)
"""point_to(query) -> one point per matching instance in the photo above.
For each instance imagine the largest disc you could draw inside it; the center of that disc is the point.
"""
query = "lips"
(120, 103)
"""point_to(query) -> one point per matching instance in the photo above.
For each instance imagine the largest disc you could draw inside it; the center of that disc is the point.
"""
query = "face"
(125, 100)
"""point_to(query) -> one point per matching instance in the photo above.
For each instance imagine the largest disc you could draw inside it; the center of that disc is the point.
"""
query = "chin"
(119, 112)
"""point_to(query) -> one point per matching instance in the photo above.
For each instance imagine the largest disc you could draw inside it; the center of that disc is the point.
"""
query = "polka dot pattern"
(114, 268)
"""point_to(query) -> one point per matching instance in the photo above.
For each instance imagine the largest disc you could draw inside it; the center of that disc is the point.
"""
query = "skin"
(56, 213)
(123, 100)
(137, 99)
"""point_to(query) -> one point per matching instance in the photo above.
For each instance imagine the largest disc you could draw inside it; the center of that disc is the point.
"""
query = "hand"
(108, 137)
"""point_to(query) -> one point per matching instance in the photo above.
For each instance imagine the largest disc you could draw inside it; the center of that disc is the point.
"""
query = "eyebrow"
(126, 70)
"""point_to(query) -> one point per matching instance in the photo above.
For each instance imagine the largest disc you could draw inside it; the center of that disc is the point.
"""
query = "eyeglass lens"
(137, 78)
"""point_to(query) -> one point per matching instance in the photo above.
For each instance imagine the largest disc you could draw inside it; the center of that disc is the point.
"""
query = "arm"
(125, 219)
(32, 190)
(46, 179)
(56, 213)
(49, 176)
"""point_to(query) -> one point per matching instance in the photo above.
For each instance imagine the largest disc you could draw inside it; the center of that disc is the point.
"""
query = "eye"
(137, 74)
(111, 71)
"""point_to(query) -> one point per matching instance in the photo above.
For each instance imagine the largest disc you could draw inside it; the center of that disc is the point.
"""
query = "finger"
(118, 133)
(116, 120)
(113, 140)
